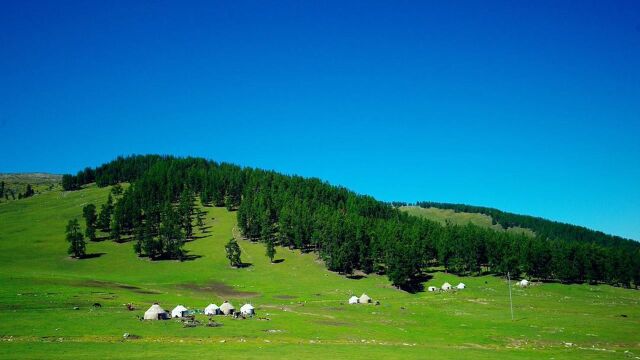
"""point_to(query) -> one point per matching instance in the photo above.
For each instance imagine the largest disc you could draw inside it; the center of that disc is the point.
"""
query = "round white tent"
(461, 286)
(212, 309)
(364, 299)
(446, 286)
(432, 288)
(178, 312)
(523, 283)
(353, 300)
(247, 309)
(155, 312)
(226, 308)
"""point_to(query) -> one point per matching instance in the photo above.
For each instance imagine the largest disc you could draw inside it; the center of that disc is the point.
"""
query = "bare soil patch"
(219, 289)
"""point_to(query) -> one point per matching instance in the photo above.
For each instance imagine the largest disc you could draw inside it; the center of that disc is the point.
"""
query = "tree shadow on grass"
(416, 284)
(100, 238)
(190, 257)
(244, 265)
(193, 238)
(93, 255)
(356, 277)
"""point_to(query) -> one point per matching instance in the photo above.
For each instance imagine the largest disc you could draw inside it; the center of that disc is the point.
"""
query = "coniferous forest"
(348, 231)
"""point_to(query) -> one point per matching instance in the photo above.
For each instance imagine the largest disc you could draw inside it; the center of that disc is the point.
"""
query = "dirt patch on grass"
(111, 285)
(333, 323)
(220, 289)
(284, 297)
(479, 301)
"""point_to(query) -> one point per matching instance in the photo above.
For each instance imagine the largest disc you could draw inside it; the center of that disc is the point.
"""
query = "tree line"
(348, 231)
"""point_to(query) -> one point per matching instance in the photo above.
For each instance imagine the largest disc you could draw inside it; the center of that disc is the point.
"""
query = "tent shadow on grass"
(277, 261)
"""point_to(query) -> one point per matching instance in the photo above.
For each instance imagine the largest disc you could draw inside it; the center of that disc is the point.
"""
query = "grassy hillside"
(460, 218)
(306, 304)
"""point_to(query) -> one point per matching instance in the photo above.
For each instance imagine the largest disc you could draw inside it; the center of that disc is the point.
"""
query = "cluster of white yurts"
(363, 299)
(156, 312)
(446, 287)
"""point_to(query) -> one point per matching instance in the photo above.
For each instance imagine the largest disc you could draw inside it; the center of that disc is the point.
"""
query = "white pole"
(510, 298)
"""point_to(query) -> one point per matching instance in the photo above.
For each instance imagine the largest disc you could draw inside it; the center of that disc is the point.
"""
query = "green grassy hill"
(460, 218)
(305, 303)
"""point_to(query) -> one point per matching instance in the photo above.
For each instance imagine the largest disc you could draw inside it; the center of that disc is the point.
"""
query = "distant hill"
(12, 185)
(443, 216)
(544, 228)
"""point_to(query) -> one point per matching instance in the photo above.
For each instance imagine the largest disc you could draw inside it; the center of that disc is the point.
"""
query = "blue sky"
(528, 107)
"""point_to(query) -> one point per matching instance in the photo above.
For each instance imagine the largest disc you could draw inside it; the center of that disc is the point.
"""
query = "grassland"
(306, 304)
(460, 218)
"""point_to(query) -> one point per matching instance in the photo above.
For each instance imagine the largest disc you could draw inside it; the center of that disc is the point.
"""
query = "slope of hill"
(305, 304)
(349, 231)
(443, 216)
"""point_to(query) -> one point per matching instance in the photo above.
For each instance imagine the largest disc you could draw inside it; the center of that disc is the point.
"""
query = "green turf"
(305, 303)
(460, 218)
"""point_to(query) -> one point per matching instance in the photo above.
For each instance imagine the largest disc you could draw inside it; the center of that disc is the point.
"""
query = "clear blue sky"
(530, 107)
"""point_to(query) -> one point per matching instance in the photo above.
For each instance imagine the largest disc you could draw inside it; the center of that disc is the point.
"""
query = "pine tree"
(271, 249)
(199, 220)
(89, 214)
(77, 245)
(116, 190)
(228, 202)
(233, 253)
(171, 235)
(185, 210)
(28, 192)
(114, 231)
(104, 219)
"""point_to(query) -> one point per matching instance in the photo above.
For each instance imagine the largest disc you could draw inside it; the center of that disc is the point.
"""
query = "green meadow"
(46, 300)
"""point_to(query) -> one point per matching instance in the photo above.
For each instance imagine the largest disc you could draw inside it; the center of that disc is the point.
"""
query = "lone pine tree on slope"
(77, 245)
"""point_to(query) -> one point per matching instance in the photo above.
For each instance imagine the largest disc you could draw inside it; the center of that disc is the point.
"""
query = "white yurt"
(523, 283)
(446, 286)
(364, 299)
(155, 312)
(226, 308)
(212, 309)
(178, 312)
(461, 286)
(353, 300)
(247, 310)
(432, 288)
